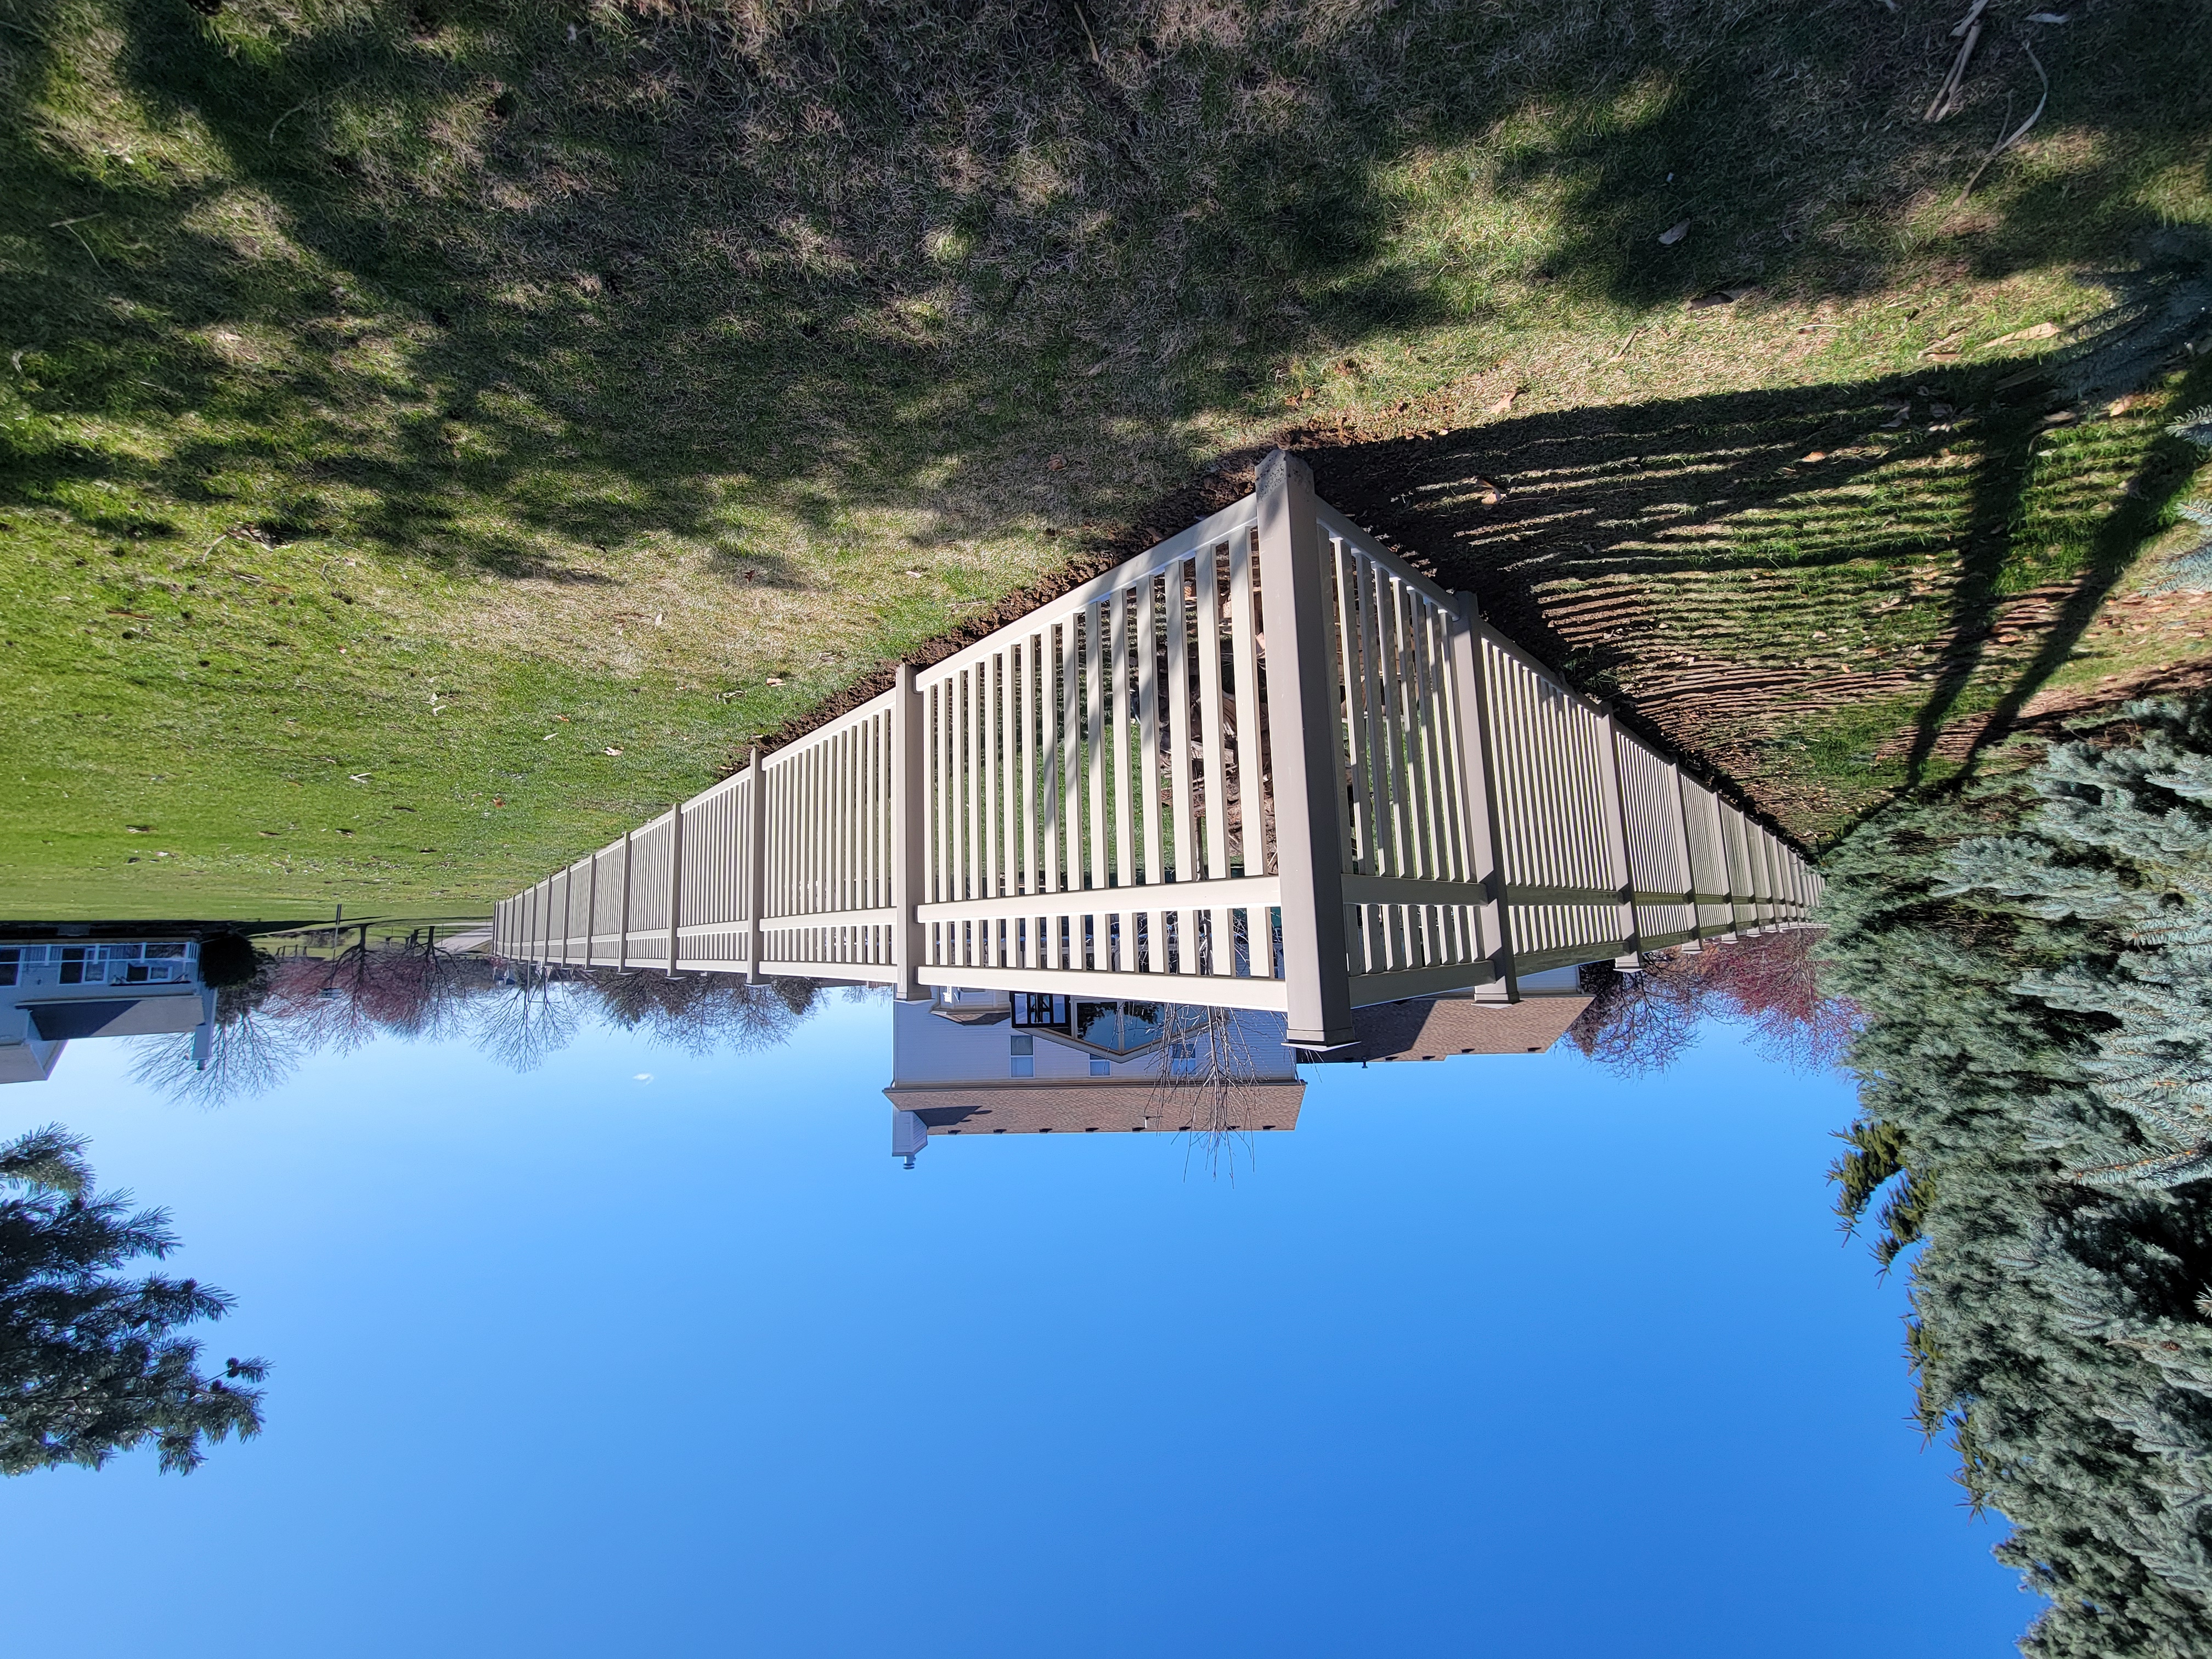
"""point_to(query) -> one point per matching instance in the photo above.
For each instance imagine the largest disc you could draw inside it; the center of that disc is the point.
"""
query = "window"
(8, 959)
(1023, 1055)
(1101, 1068)
(1049, 1012)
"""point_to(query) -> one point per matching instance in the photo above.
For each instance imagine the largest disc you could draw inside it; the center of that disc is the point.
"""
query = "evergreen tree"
(89, 1363)
(2031, 1070)
(2193, 569)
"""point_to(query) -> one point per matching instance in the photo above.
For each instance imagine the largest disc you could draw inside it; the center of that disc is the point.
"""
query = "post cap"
(1278, 468)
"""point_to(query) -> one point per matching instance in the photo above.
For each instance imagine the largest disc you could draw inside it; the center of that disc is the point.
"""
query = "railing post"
(1728, 859)
(675, 882)
(1616, 837)
(909, 834)
(591, 910)
(1689, 858)
(1769, 850)
(756, 864)
(568, 904)
(1755, 842)
(1309, 772)
(622, 951)
(1485, 834)
(1729, 862)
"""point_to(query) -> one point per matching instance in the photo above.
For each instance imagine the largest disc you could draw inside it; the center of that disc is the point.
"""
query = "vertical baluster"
(1251, 808)
(1023, 816)
(1148, 762)
(1007, 702)
(1358, 800)
(1432, 697)
(1176, 706)
(1118, 758)
(1215, 825)
(1049, 763)
(1071, 755)
(1405, 856)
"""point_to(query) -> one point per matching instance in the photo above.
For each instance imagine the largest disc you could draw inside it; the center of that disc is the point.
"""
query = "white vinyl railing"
(1265, 764)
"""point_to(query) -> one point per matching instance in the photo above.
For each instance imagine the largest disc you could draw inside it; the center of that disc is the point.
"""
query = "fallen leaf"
(1057, 464)
(1816, 455)
(357, 777)
(1720, 296)
(1674, 233)
(1505, 404)
(916, 573)
(564, 719)
(2040, 331)
(772, 680)
(611, 751)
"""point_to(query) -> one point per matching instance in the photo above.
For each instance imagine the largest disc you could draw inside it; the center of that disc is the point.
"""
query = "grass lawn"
(434, 435)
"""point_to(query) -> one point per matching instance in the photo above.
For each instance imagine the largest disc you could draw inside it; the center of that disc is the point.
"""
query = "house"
(1000, 1062)
(1468, 1022)
(53, 991)
(969, 1063)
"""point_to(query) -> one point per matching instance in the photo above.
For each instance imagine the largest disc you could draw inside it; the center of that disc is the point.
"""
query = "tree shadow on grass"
(835, 252)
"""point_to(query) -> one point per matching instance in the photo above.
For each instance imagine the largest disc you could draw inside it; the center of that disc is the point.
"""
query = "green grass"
(612, 361)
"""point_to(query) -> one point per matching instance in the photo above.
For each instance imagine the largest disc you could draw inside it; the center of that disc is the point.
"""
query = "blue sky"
(1498, 1356)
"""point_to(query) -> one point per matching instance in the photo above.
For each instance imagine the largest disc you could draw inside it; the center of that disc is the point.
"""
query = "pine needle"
(2018, 132)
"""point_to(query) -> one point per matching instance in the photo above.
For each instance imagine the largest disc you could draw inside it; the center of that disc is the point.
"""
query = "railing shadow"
(1698, 557)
